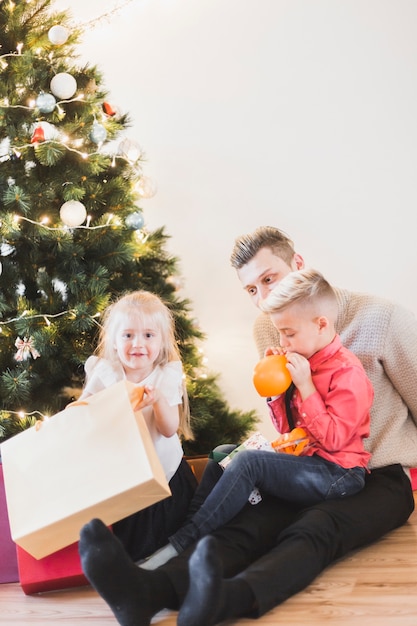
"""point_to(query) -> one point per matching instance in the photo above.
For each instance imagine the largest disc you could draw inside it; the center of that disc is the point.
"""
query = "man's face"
(262, 273)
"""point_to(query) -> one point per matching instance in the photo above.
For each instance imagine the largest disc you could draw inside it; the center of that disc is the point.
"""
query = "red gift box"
(413, 473)
(8, 559)
(59, 570)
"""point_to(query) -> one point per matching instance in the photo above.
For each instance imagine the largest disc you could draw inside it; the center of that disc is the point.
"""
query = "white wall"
(300, 114)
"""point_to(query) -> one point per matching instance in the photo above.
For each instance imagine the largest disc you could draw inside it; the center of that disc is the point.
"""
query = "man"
(273, 550)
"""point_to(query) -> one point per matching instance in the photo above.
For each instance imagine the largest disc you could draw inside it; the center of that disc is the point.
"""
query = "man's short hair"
(247, 246)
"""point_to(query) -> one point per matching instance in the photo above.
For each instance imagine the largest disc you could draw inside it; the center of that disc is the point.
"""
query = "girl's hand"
(166, 418)
(150, 396)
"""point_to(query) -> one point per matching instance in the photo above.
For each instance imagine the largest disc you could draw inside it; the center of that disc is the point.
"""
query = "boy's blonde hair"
(306, 287)
(149, 306)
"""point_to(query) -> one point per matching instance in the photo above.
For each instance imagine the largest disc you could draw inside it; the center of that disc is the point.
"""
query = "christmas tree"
(73, 234)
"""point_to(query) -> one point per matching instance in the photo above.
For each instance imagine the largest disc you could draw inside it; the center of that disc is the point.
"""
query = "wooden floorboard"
(376, 585)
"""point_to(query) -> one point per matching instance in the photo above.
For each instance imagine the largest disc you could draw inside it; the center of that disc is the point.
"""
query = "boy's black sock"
(134, 595)
(211, 598)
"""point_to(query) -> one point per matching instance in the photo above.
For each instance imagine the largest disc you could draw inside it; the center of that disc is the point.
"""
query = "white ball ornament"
(58, 35)
(63, 85)
(73, 213)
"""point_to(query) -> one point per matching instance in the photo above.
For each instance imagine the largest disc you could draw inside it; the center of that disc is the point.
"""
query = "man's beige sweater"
(384, 336)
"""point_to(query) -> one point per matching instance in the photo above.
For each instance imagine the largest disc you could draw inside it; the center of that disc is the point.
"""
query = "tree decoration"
(91, 86)
(45, 102)
(4, 149)
(135, 220)
(98, 133)
(108, 109)
(73, 213)
(58, 35)
(131, 150)
(44, 131)
(25, 349)
(38, 135)
(63, 85)
(146, 187)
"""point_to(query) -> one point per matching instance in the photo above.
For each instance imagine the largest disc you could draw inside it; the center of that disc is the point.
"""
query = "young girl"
(137, 343)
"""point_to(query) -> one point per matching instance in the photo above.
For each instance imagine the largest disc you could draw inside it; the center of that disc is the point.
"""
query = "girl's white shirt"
(102, 373)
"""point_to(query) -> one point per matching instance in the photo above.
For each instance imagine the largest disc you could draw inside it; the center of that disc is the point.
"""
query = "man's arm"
(265, 334)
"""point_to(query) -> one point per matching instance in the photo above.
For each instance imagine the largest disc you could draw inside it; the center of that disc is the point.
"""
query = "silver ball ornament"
(98, 133)
(45, 102)
(135, 220)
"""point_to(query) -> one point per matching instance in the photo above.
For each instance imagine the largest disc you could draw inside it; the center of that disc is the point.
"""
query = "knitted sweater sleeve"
(400, 357)
(265, 334)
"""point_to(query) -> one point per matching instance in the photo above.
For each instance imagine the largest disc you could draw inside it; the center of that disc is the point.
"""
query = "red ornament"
(271, 376)
(108, 109)
(38, 135)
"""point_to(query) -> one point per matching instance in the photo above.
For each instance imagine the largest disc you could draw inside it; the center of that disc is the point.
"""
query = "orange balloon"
(271, 376)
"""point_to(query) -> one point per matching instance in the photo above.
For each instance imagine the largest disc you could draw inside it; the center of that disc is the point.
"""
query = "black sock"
(211, 598)
(134, 595)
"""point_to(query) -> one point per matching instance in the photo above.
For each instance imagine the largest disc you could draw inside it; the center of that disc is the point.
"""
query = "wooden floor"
(376, 585)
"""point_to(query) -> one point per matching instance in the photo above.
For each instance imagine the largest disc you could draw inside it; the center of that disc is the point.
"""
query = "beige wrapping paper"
(94, 459)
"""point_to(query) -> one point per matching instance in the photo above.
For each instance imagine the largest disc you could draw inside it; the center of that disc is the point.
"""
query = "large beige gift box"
(96, 458)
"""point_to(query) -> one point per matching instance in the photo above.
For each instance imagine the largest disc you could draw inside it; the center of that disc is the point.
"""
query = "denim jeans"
(304, 480)
(278, 549)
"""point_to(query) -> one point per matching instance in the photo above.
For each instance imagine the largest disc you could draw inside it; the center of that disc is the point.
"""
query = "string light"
(6, 105)
(45, 316)
(23, 414)
(83, 155)
(64, 228)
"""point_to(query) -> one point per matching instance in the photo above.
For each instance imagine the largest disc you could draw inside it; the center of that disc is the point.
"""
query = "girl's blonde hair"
(145, 306)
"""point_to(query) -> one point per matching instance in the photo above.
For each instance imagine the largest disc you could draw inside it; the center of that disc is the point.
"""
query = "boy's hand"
(299, 368)
(274, 350)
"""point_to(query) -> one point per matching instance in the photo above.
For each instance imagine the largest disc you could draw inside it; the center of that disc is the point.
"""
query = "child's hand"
(299, 368)
(274, 350)
(150, 396)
